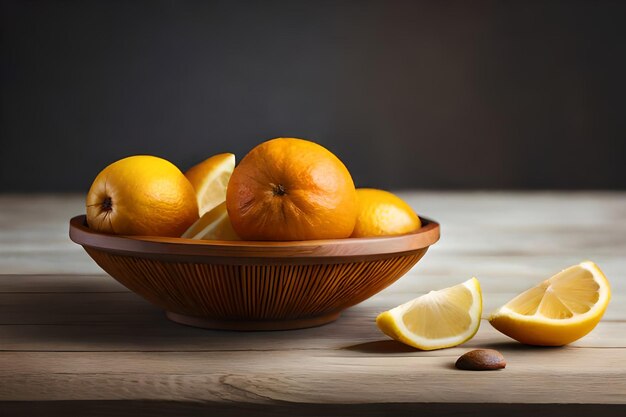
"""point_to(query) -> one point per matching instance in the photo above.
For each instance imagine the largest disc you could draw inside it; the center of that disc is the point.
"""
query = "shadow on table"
(392, 346)
(381, 346)
(516, 346)
(84, 318)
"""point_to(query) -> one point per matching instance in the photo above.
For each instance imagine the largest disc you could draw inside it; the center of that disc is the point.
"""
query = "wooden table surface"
(73, 341)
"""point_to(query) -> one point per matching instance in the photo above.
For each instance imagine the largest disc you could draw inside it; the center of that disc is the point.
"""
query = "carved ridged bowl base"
(254, 285)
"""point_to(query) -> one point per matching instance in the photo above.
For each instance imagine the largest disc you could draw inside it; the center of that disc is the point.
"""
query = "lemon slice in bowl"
(210, 180)
(558, 311)
(436, 320)
(213, 225)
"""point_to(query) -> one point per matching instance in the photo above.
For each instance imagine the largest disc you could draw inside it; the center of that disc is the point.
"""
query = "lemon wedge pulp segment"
(559, 310)
(436, 320)
(210, 180)
(213, 225)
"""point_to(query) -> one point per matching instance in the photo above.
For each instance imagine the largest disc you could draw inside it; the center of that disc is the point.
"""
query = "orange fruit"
(141, 195)
(291, 189)
(381, 213)
(210, 179)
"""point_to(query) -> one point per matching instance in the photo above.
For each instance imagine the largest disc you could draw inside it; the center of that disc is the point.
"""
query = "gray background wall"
(423, 94)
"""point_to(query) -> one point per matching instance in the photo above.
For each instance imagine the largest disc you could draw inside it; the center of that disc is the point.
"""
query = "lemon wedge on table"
(213, 225)
(558, 311)
(436, 320)
(210, 180)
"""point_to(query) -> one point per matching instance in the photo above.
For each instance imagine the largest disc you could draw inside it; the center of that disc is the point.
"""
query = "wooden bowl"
(254, 285)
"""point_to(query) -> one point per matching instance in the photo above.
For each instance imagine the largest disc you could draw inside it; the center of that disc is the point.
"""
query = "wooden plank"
(414, 283)
(87, 339)
(512, 273)
(567, 226)
(116, 332)
(518, 209)
(58, 283)
(495, 276)
(73, 299)
(156, 408)
(497, 246)
(326, 376)
(75, 308)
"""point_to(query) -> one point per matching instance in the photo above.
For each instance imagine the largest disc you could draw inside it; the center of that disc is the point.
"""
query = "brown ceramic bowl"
(254, 285)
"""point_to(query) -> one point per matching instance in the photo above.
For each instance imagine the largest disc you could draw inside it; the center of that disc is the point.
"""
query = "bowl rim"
(423, 237)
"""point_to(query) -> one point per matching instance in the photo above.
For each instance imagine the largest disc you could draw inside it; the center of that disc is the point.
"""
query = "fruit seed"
(481, 360)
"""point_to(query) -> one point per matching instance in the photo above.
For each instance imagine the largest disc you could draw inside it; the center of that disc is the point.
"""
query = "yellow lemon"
(213, 225)
(558, 311)
(436, 320)
(141, 195)
(381, 213)
(210, 180)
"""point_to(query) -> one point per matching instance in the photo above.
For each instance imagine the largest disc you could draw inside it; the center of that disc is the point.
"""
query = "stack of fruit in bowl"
(285, 189)
(281, 240)
(293, 190)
